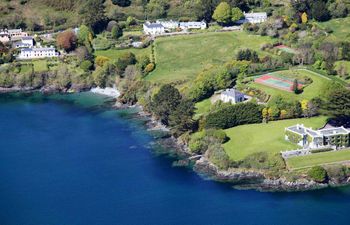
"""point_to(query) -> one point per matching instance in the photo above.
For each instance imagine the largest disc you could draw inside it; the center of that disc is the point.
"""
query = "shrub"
(86, 65)
(337, 172)
(318, 174)
(149, 68)
(262, 160)
(101, 44)
(218, 156)
(200, 141)
(101, 60)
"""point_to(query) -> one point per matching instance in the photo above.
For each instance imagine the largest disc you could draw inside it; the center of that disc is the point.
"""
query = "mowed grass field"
(183, 57)
(323, 158)
(116, 53)
(248, 139)
(311, 91)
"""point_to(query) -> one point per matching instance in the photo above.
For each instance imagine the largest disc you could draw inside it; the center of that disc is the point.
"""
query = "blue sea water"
(69, 160)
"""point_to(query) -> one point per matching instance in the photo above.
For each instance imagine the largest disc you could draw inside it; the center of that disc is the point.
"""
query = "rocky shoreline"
(50, 89)
(239, 178)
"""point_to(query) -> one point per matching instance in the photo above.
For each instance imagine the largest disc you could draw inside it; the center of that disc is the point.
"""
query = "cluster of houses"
(162, 26)
(26, 45)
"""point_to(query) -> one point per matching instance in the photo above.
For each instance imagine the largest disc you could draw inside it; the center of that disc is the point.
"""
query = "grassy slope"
(202, 107)
(318, 159)
(182, 57)
(346, 64)
(248, 139)
(36, 11)
(309, 92)
(115, 54)
(340, 28)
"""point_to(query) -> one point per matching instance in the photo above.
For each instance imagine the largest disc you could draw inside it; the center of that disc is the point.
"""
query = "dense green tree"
(318, 174)
(222, 13)
(86, 65)
(181, 118)
(92, 14)
(338, 9)
(338, 103)
(122, 3)
(157, 8)
(248, 55)
(236, 14)
(319, 10)
(116, 32)
(165, 102)
(234, 115)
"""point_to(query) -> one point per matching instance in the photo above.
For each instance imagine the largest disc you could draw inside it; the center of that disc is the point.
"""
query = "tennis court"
(276, 82)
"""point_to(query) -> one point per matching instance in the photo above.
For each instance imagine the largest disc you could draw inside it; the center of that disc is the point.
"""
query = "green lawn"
(309, 92)
(340, 28)
(248, 139)
(40, 65)
(202, 107)
(26, 68)
(183, 57)
(318, 159)
(115, 53)
(346, 64)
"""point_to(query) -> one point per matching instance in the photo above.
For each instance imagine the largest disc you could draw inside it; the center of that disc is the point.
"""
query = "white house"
(309, 138)
(11, 35)
(259, 17)
(4, 36)
(17, 34)
(37, 53)
(25, 42)
(170, 24)
(193, 25)
(232, 96)
(153, 28)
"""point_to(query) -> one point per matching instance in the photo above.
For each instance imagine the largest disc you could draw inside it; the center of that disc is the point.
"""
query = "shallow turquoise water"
(71, 160)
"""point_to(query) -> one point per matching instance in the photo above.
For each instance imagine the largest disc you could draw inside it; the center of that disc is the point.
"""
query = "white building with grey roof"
(153, 28)
(37, 53)
(258, 17)
(231, 96)
(310, 138)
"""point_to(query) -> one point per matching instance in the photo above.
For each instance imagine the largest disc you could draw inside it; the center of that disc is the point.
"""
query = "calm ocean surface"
(68, 160)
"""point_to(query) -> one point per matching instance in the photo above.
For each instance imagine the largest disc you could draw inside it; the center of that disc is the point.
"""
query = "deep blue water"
(69, 160)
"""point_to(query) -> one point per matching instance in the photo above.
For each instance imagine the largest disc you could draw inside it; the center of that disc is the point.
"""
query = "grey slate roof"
(153, 25)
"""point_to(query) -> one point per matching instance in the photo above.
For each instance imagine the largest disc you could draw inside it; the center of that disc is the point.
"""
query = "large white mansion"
(37, 53)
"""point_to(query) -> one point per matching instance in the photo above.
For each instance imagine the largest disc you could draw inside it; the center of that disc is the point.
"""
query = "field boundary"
(323, 164)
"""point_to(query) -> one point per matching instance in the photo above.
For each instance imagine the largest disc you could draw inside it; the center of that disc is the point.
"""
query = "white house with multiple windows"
(160, 26)
(153, 28)
(253, 17)
(25, 42)
(37, 53)
(168, 24)
(309, 138)
(231, 96)
(193, 25)
(11, 35)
